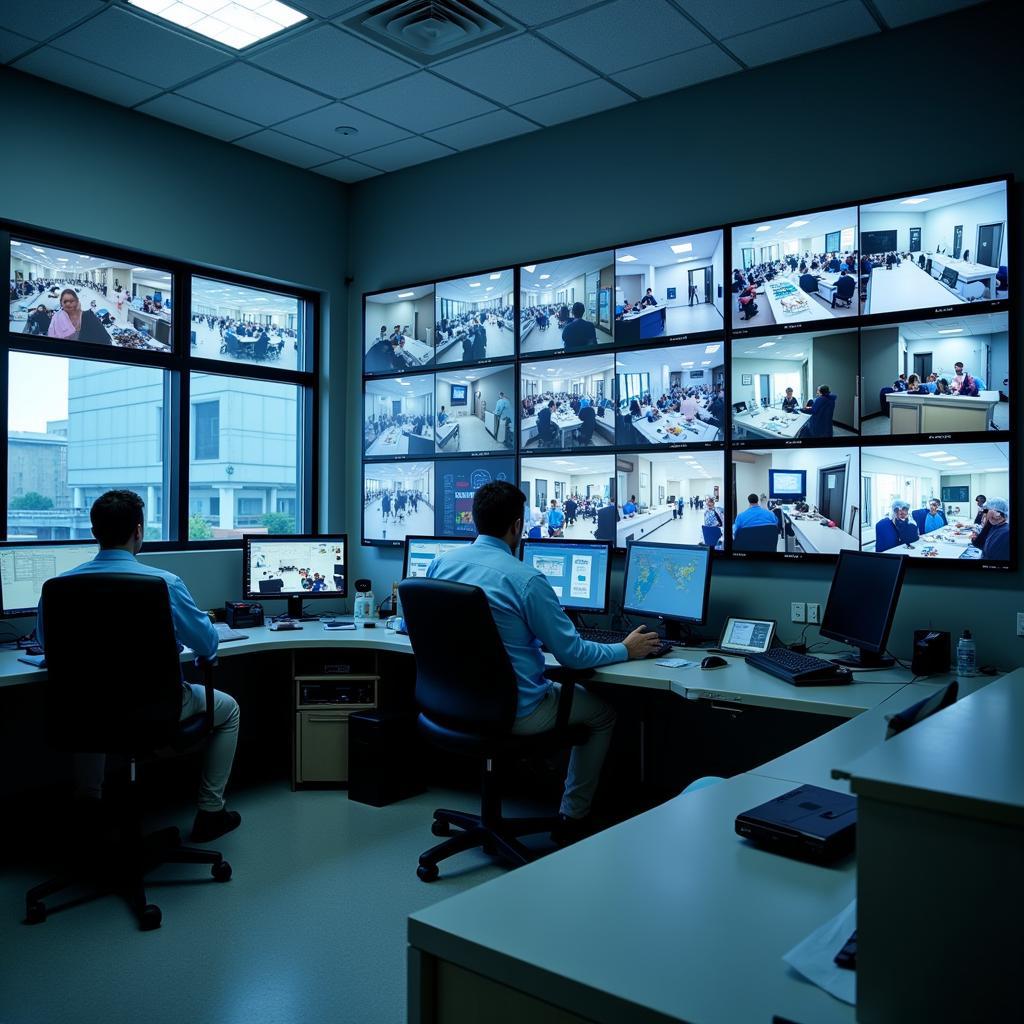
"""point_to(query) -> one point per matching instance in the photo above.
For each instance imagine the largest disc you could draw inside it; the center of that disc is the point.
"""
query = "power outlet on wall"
(798, 611)
(813, 613)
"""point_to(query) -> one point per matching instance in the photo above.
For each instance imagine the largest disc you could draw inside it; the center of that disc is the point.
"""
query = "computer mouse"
(713, 661)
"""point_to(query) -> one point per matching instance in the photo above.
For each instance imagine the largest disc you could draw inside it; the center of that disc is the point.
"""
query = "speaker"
(932, 652)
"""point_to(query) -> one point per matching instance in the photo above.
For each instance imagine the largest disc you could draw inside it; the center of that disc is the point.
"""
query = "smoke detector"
(426, 31)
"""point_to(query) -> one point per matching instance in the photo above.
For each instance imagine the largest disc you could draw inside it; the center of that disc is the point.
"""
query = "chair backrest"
(712, 535)
(756, 538)
(464, 679)
(138, 674)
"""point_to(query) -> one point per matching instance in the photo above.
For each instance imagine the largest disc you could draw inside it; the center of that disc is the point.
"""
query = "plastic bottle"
(966, 655)
(363, 607)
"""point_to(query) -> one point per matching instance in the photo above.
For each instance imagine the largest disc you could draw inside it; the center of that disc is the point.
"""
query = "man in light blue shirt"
(503, 407)
(754, 515)
(556, 520)
(118, 525)
(527, 614)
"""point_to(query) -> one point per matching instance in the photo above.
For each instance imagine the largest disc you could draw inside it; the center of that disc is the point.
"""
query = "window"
(846, 239)
(206, 430)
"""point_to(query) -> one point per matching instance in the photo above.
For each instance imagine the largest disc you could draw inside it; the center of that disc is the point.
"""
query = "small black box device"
(809, 823)
(243, 613)
(932, 653)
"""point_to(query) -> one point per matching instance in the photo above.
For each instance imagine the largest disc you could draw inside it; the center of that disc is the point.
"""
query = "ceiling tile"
(317, 127)
(579, 101)
(11, 44)
(332, 61)
(39, 19)
(479, 131)
(678, 71)
(253, 94)
(615, 36)
(198, 117)
(421, 103)
(515, 70)
(813, 31)
(745, 15)
(282, 147)
(902, 12)
(85, 76)
(403, 154)
(347, 170)
(142, 48)
(325, 8)
(538, 12)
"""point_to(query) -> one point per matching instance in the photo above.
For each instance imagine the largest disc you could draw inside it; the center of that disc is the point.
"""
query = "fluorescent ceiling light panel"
(705, 362)
(764, 227)
(406, 295)
(711, 349)
(686, 259)
(544, 277)
(767, 344)
(495, 277)
(914, 202)
(949, 458)
(235, 23)
(474, 284)
(627, 259)
(931, 455)
(797, 224)
(685, 247)
(952, 330)
(530, 269)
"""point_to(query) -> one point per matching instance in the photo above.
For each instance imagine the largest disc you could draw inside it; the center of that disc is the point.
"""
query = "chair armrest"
(567, 678)
(206, 667)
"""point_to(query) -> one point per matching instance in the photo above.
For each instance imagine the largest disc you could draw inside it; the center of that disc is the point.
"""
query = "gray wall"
(903, 138)
(835, 364)
(878, 351)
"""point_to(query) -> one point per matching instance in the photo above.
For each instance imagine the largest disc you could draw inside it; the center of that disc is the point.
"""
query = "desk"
(672, 428)
(447, 432)
(966, 272)
(770, 423)
(648, 323)
(922, 413)
(566, 422)
(813, 536)
(416, 353)
(790, 304)
(391, 442)
(906, 287)
(953, 541)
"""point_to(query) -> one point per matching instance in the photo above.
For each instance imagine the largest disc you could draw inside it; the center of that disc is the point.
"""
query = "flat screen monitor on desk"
(579, 571)
(24, 568)
(295, 567)
(421, 551)
(861, 605)
(668, 581)
(787, 484)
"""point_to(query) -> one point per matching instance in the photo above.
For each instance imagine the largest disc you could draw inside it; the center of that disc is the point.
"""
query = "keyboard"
(617, 636)
(847, 956)
(799, 669)
(225, 633)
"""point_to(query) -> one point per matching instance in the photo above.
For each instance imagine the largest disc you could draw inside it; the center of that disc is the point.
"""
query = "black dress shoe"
(572, 830)
(210, 825)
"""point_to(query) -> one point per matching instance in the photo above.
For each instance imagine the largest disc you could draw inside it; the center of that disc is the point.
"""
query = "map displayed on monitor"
(665, 580)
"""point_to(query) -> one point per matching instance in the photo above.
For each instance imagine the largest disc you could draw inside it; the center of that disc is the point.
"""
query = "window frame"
(179, 364)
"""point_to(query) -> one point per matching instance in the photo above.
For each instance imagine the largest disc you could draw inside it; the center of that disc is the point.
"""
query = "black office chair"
(756, 538)
(127, 703)
(467, 694)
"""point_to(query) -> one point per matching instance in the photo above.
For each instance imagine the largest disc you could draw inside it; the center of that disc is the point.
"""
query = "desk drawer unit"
(323, 705)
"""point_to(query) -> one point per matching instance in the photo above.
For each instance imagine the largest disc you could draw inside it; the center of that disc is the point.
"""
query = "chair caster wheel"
(440, 828)
(35, 913)
(221, 872)
(150, 918)
(427, 872)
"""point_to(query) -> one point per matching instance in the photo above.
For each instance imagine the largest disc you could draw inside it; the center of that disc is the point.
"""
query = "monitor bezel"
(584, 543)
(779, 497)
(661, 615)
(901, 571)
(291, 538)
(420, 536)
(11, 613)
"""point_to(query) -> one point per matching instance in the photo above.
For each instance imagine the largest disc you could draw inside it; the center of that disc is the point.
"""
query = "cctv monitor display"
(398, 416)
(948, 376)
(670, 396)
(799, 269)
(421, 551)
(398, 330)
(670, 497)
(475, 318)
(809, 493)
(578, 571)
(566, 305)
(570, 496)
(942, 250)
(795, 386)
(24, 568)
(398, 501)
(943, 502)
(669, 289)
(476, 409)
(73, 296)
(297, 567)
(567, 403)
(457, 481)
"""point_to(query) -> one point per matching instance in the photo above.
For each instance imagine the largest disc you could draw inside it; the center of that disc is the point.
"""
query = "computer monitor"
(294, 567)
(861, 605)
(579, 571)
(669, 581)
(787, 484)
(421, 551)
(24, 568)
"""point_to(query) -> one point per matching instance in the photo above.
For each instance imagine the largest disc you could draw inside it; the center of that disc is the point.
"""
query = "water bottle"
(363, 607)
(966, 655)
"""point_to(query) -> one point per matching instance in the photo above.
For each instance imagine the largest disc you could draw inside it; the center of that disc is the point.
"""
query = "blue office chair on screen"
(712, 535)
(756, 538)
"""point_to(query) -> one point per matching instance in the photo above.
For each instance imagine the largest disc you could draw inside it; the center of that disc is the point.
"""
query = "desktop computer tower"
(383, 757)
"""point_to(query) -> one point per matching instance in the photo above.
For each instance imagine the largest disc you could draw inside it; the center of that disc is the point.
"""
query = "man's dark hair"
(981, 498)
(114, 517)
(578, 309)
(753, 499)
(496, 506)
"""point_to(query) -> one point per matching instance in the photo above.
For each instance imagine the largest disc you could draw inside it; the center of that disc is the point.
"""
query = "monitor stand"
(864, 659)
(675, 632)
(295, 611)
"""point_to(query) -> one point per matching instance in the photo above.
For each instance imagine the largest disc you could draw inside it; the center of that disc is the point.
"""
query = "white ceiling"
(65, 261)
(707, 464)
(934, 200)
(284, 97)
(410, 294)
(590, 465)
(561, 272)
(400, 387)
(660, 254)
(788, 346)
(487, 287)
(651, 360)
(472, 374)
(413, 473)
(561, 369)
(774, 231)
(980, 458)
(984, 323)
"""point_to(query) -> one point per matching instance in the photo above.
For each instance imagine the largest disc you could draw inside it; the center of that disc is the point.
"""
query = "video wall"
(786, 388)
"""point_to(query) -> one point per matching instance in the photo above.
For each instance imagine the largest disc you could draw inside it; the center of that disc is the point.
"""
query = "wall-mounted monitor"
(398, 330)
(398, 501)
(476, 409)
(787, 484)
(398, 416)
(944, 251)
(457, 481)
(569, 496)
(795, 271)
(567, 403)
(459, 394)
(475, 318)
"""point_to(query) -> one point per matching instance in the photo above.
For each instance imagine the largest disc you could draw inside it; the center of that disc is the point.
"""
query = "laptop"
(745, 636)
(809, 823)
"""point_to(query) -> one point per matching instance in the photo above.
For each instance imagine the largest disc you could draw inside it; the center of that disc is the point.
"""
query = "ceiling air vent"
(427, 30)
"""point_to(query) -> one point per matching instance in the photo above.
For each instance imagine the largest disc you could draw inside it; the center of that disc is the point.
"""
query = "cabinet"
(323, 705)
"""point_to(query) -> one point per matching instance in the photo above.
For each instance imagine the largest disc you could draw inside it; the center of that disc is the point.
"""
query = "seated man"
(994, 536)
(556, 520)
(546, 430)
(117, 524)
(790, 402)
(809, 283)
(931, 518)
(754, 515)
(845, 287)
(527, 614)
(630, 508)
(897, 528)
